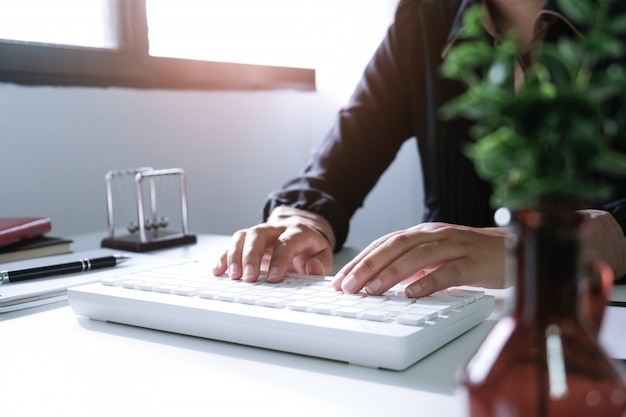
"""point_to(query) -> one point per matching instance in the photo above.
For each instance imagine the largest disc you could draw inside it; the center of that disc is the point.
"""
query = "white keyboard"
(303, 314)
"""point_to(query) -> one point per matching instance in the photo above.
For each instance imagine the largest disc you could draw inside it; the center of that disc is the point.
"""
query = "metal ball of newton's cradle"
(132, 227)
(149, 224)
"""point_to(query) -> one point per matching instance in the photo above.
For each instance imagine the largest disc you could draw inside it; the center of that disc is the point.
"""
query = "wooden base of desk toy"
(157, 240)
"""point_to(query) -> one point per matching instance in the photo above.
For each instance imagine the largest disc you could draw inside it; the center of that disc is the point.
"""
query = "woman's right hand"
(290, 240)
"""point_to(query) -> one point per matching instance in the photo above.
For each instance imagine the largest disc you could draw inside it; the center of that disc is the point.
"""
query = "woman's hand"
(605, 240)
(429, 257)
(290, 240)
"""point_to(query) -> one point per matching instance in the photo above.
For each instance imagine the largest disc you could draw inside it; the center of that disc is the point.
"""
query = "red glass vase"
(543, 359)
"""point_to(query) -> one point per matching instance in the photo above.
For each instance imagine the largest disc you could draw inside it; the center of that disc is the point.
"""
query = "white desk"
(57, 364)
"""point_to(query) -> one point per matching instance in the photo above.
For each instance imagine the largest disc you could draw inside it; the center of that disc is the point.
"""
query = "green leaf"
(569, 52)
(617, 24)
(610, 162)
(468, 105)
(579, 11)
(464, 57)
(603, 92)
(605, 45)
(472, 23)
(551, 67)
(500, 72)
(493, 154)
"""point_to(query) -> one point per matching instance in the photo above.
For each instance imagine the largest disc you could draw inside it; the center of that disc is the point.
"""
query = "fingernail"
(338, 278)
(413, 291)
(314, 267)
(374, 286)
(217, 269)
(248, 272)
(272, 274)
(349, 284)
(234, 271)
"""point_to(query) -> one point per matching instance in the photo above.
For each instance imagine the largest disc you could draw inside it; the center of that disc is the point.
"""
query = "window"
(268, 32)
(46, 22)
(107, 43)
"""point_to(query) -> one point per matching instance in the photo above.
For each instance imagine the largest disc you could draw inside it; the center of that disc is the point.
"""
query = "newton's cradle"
(146, 228)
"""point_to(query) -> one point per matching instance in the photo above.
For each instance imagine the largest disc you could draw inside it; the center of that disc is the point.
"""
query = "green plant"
(544, 142)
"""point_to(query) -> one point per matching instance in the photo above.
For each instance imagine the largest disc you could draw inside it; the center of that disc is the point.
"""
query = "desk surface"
(57, 364)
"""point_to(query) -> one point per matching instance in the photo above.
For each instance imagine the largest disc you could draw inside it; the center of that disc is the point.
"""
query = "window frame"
(131, 65)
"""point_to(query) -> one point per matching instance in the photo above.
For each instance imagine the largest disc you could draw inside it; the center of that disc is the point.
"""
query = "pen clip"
(4, 277)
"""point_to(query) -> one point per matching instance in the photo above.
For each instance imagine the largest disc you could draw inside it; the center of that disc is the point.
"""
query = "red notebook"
(16, 229)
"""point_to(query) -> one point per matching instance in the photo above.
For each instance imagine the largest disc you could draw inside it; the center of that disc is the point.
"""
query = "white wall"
(56, 144)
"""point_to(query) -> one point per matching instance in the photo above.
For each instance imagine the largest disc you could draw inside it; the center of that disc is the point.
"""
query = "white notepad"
(20, 295)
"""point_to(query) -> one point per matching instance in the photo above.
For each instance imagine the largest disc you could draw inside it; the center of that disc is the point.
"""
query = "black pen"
(81, 265)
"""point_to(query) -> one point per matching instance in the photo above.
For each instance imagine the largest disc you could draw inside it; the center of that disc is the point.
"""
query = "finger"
(318, 264)
(395, 260)
(255, 246)
(348, 267)
(314, 266)
(295, 247)
(417, 262)
(233, 256)
(346, 270)
(448, 275)
(220, 267)
(285, 250)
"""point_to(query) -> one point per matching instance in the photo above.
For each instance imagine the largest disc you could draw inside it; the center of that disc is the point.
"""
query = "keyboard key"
(370, 304)
(400, 301)
(394, 309)
(424, 312)
(322, 300)
(441, 308)
(411, 319)
(228, 296)
(377, 298)
(349, 296)
(475, 295)
(293, 296)
(251, 299)
(451, 301)
(346, 302)
(273, 302)
(467, 298)
(376, 315)
(165, 288)
(351, 312)
(187, 291)
(112, 281)
(146, 286)
(323, 308)
(130, 283)
(300, 305)
(208, 293)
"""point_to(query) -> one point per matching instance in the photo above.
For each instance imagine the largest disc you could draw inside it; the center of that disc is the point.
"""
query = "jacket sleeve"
(364, 140)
